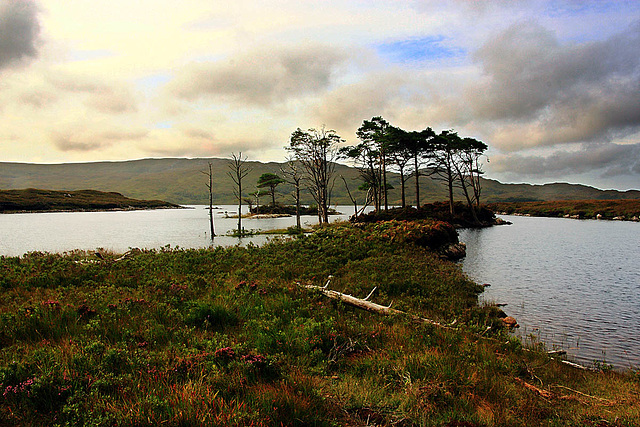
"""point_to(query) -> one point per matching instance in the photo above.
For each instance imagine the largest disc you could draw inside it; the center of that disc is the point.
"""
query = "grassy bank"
(226, 337)
(34, 200)
(584, 209)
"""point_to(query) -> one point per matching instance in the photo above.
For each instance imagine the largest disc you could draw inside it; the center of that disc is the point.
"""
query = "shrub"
(209, 316)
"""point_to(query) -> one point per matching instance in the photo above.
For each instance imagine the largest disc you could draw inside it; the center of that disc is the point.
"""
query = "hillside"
(179, 180)
(32, 200)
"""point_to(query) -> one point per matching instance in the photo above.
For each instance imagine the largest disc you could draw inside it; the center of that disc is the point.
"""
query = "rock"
(454, 251)
(501, 221)
(510, 322)
(599, 216)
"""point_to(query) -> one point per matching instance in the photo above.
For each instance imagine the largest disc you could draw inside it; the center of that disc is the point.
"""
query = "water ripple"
(575, 283)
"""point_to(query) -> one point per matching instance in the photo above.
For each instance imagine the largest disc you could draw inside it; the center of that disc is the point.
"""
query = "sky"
(552, 87)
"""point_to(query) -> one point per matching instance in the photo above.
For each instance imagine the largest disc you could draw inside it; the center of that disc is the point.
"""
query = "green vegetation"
(33, 200)
(225, 337)
(270, 181)
(607, 209)
(462, 217)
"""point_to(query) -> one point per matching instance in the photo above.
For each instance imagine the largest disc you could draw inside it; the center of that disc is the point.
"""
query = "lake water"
(574, 284)
(120, 231)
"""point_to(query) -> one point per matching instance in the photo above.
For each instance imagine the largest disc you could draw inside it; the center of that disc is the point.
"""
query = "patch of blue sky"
(163, 125)
(556, 8)
(153, 81)
(422, 49)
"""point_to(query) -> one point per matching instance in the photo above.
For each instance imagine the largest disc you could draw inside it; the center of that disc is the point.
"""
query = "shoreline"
(127, 209)
(567, 216)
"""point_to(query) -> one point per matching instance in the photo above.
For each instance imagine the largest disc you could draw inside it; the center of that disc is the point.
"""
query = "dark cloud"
(261, 77)
(607, 160)
(73, 83)
(19, 30)
(84, 141)
(566, 92)
(193, 132)
(346, 106)
(105, 97)
(113, 100)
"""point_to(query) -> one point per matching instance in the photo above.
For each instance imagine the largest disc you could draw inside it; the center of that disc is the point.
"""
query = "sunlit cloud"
(547, 82)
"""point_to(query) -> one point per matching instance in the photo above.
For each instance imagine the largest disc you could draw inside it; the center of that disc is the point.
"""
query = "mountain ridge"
(181, 181)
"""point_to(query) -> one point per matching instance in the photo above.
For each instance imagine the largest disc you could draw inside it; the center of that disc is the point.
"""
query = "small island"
(36, 200)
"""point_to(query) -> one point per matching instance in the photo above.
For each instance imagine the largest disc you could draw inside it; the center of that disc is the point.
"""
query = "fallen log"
(364, 304)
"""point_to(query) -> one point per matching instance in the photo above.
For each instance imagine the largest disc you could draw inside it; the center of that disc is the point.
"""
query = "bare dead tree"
(316, 150)
(209, 174)
(293, 175)
(238, 171)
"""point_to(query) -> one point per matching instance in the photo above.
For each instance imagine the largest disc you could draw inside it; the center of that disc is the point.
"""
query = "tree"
(457, 163)
(270, 181)
(444, 159)
(419, 147)
(209, 184)
(238, 171)
(374, 151)
(468, 152)
(400, 156)
(316, 150)
(365, 157)
(293, 175)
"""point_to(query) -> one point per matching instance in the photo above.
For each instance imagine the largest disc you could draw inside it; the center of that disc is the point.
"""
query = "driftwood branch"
(368, 305)
(364, 304)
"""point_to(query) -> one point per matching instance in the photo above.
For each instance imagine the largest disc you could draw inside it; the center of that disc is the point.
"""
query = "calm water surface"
(120, 231)
(573, 284)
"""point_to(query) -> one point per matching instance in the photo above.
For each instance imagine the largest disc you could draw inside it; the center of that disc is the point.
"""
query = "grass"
(607, 209)
(225, 337)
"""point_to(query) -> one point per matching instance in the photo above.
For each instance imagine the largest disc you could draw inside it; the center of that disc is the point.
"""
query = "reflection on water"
(119, 231)
(573, 284)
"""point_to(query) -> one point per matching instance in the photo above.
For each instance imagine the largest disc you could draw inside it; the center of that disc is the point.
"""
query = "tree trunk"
(404, 201)
(240, 208)
(367, 305)
(213, 233)
(298, 206)
(384, 181)
(417, 174)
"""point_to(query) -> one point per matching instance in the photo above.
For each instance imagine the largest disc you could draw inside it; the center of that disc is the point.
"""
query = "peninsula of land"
(35, 200)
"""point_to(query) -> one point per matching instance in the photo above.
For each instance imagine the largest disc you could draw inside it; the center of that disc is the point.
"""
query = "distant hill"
(181, 181)
(33, 200)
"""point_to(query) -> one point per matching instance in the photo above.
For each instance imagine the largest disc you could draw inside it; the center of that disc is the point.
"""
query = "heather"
(225, 336)
(582, 209)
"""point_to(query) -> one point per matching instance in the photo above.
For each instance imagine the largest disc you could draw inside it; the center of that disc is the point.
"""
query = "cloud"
(113, 100)
(607, 160)
(552, 93)
(108, 97)
(262, 76)
(19, 30)
(84, 139)
(345, 107)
